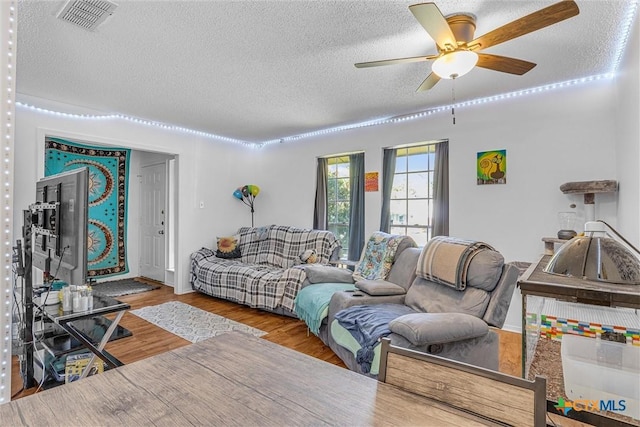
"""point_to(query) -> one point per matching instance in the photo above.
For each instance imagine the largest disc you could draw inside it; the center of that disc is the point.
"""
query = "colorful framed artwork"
(492, 167)
(371, 181)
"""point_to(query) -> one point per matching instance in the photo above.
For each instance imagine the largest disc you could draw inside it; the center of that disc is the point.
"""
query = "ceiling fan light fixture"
(455, 64)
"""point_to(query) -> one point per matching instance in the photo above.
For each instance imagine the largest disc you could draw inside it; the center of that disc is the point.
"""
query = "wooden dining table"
(232, 379)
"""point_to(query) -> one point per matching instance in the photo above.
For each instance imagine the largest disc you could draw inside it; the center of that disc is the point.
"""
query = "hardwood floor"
(148, 340)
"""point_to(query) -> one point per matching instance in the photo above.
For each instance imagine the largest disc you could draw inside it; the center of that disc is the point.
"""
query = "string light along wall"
(8, 18)
(376, 122)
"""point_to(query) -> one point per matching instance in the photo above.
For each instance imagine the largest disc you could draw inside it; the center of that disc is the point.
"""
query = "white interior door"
(152, 221)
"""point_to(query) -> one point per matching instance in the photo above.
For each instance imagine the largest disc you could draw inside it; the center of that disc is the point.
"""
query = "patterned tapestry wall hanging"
(108, 180)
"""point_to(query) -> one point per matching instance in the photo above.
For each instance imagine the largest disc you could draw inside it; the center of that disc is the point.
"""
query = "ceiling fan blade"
(543, 18)
(504, 64)
(432, 20)
(394, 61)
(429, 82)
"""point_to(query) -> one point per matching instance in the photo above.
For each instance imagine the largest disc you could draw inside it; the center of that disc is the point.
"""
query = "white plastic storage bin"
(599, 370)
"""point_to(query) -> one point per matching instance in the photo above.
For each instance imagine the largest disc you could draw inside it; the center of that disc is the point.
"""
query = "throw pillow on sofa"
(380, 288)
(317, 273)
(377, 256)
(228, 248)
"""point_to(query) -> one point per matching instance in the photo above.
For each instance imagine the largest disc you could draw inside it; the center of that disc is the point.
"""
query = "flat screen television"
(59, 226)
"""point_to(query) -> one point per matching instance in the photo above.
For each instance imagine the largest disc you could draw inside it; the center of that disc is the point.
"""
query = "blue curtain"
(388, 170)
(320, 219)
(441, 190)
(356, 220)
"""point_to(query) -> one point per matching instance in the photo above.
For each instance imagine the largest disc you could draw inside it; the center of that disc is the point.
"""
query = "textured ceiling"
(261, 70)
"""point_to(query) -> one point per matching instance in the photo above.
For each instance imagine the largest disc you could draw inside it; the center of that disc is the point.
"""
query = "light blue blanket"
(367, 324)
(312, 301)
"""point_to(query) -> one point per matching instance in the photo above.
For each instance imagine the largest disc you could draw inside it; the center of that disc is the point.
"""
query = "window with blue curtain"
(340, 200)
(416, 191)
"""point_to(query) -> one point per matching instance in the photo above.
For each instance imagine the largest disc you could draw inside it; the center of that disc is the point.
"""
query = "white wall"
(205, 171)
(627, 139)
(550, 139)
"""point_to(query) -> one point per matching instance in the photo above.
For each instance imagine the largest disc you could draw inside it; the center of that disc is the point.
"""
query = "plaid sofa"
(269, 274)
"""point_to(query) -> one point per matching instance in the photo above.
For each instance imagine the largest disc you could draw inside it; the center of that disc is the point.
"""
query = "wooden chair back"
(499, 397)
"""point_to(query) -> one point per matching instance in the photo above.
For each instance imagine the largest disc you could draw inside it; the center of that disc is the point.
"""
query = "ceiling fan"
(458, 52)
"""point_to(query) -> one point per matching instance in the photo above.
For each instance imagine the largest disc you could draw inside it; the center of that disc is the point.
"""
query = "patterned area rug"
(191, 323)
(118, 288)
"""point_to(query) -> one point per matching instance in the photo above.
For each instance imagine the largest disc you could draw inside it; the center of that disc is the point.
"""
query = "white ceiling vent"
(87, 14)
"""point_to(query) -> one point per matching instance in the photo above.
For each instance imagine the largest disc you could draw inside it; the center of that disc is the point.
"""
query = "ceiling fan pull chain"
(453, 97)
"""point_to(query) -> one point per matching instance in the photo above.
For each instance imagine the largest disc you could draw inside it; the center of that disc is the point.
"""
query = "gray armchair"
(431, 317)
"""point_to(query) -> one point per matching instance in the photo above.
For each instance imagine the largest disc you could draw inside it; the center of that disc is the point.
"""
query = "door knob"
(161, 232)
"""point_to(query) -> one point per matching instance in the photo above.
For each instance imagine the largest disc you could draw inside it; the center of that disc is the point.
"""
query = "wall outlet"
(201, 204)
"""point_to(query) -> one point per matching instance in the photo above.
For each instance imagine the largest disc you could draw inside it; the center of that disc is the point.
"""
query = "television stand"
(89, 329)
(55, 344)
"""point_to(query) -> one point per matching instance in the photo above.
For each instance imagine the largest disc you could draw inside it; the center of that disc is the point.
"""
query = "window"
(411, 203)
(338, 199)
